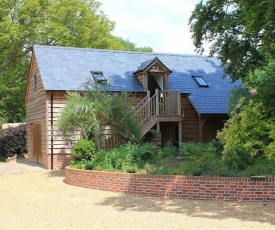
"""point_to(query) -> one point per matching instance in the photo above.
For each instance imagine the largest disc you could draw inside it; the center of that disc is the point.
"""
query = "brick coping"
(175, 186)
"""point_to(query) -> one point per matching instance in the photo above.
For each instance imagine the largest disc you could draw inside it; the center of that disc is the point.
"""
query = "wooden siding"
(191, 125)
(36, 110)
(190, 122)
(211, 124)
(59, 145)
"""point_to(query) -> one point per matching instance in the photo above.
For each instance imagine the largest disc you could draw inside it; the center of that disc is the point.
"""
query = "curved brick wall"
(188, 187)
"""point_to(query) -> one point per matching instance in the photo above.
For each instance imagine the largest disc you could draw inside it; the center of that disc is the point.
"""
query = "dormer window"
(153, 74)
(200, 81)
(99, 77)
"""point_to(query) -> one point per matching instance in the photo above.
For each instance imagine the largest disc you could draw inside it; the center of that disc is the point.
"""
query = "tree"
(94, 108)
(241, 33)
(263, 81)
(250, 131)
(23, 23)
(132, 46)
(245, 135)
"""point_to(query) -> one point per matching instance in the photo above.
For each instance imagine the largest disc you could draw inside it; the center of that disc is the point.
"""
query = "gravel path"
(41, 200)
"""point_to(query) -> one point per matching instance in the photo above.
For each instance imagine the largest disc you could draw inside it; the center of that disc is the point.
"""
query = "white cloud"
(160, 24)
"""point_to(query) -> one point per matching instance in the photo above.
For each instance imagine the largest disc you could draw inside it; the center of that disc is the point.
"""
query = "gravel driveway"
(41, 200)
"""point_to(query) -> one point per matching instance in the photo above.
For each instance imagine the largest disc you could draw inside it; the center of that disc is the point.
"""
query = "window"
(99, 77)
(34, 84)
(200, 81)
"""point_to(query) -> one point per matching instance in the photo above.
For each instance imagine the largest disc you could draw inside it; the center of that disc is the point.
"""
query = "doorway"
(36, 144)
(155, 81)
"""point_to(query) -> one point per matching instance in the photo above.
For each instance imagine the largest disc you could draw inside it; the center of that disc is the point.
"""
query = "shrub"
(125, 158)
(121, 158)
(83, 150)
(193, 159)
(246, 134)
(141, 153)
(13, 141)
(203, 159)
(168, 151)
(261, 167)
(103, 161)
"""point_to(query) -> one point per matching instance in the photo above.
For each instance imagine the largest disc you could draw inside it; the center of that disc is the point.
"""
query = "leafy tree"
(132, 46)
(23, 23)
(241, 33)
(236, 94)
(93, 109)
(250, 132)
(262, 80)
(245, 135)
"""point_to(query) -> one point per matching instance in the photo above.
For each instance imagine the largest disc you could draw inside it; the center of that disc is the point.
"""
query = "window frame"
(200, 81)
(99, 77)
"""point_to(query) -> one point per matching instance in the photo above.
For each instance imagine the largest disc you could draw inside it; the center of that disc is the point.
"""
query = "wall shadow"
(56, 173)
(244, 211)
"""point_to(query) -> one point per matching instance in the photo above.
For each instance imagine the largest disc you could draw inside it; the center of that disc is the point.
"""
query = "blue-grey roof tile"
(65, 68)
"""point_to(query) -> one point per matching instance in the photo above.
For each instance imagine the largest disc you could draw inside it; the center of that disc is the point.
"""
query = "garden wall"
(188, 187)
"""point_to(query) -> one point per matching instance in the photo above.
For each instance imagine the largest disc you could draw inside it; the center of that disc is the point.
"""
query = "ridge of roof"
(125, 51)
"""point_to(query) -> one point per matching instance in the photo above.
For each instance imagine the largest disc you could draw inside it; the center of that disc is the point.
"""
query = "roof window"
(99, 77)
(200, 81)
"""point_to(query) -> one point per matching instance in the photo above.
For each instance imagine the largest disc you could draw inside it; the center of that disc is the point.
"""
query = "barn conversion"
(184, 97)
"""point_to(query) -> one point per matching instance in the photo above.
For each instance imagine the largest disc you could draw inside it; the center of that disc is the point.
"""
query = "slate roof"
(65, 68)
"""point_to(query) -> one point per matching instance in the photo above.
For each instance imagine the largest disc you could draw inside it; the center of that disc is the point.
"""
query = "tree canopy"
(241, 33)
(23, 23)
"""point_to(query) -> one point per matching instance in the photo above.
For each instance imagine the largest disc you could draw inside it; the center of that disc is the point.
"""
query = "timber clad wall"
(188, 187)
(36, 111)
(61, 149)
(190, 123)
(211, 125)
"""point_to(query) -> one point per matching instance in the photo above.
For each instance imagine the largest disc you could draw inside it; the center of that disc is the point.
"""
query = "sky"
(159, 24)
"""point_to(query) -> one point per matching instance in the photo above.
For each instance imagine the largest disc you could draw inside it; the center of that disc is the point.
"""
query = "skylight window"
(99, 77)
(200, 81)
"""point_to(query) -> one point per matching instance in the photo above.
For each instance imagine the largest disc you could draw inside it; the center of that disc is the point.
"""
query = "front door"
(36, 144)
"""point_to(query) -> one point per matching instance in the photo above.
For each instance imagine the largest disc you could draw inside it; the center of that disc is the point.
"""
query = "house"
(185, 97)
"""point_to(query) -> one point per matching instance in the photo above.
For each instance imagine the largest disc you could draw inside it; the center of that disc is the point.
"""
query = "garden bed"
(187, 187)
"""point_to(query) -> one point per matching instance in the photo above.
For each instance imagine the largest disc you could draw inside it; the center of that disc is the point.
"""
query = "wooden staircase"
(164, 106)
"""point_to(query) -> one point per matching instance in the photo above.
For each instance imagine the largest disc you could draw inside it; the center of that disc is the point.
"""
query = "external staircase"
(164, 106)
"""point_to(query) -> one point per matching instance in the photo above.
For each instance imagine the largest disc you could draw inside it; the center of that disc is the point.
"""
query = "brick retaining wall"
(188, 187)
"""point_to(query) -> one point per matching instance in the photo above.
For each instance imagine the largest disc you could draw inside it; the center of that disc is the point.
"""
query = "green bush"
(126, 158)
(261, 167)
(168, 151)
(121, 158)
(203, 159)
(103, 161)
(141, 153)
(197, 159)
(83, 150)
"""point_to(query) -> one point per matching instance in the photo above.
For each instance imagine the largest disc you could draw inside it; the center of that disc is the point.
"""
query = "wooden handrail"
(162, 103)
